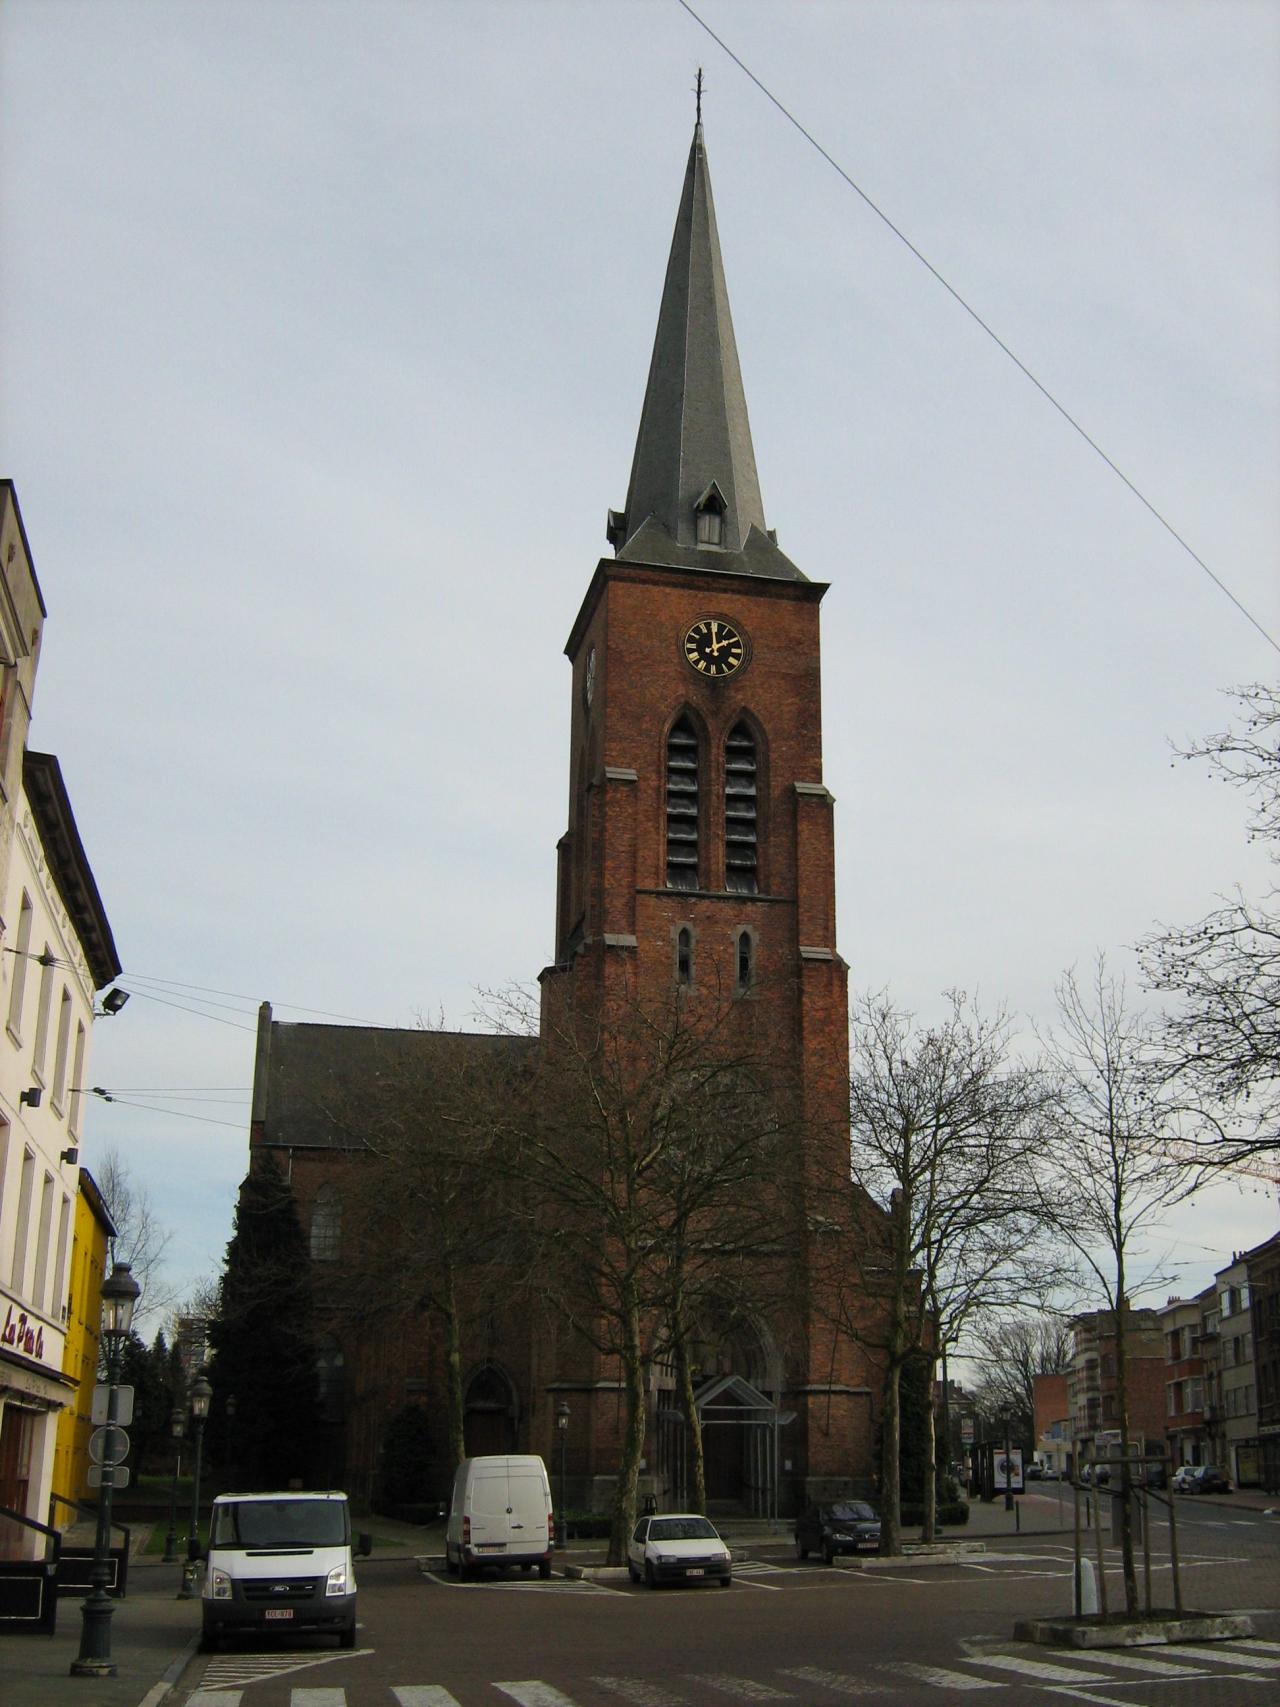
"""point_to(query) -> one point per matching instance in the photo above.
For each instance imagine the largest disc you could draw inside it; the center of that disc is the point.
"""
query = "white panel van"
(279, 1564)
(500, 1514)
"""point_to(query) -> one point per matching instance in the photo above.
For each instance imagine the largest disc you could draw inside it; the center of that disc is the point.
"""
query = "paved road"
(785, 1633)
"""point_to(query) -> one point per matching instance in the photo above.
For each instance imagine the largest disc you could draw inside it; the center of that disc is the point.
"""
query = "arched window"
(741, 812)
(684, 955)
(746, 960)
(326, 1225)
(682, 806)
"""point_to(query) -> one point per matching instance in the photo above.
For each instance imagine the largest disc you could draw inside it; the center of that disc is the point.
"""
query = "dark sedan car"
(849, 1526)
(1208, 1479)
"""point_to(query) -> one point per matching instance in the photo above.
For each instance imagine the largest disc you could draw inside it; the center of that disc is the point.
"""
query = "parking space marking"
(637, 1691)
(940, 1677)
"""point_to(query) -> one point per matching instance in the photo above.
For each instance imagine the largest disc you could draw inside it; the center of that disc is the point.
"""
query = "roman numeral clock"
(714, 647)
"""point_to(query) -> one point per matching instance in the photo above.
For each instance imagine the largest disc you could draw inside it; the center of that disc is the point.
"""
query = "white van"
(500, 1514)
(280, 1563)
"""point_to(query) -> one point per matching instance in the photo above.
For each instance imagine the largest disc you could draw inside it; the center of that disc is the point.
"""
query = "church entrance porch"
(741, 1446)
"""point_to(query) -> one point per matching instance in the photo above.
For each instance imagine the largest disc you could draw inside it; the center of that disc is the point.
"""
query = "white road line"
(940, 1677)
(215, 1698)
(744, 1688)
(637, 1691)
(535, 1694)
(1256, 1644)
(1086, 1695)
(1223, 1656)
(423, 1695)
(834, 1682)
(317, 1698)
(750, 1582)
(1152, 1668)
(1040, 1670)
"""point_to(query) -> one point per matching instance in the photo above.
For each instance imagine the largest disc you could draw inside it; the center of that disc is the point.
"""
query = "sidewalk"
(153, 1634)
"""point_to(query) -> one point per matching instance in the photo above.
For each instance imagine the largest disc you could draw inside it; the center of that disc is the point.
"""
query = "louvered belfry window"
(741, 813)
(682, 806)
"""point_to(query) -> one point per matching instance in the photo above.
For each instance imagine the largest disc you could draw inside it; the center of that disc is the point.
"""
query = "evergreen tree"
(263, 1341)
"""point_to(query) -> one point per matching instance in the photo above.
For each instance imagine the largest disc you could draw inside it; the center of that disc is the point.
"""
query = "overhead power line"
(973, 314)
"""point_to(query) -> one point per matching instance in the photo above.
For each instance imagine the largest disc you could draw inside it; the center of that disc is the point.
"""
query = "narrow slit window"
(682, 806)
(684, 955)
(741, 813)
(746, 960)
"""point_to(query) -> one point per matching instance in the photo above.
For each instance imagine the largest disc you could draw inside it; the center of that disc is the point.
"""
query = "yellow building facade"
(90, 1243)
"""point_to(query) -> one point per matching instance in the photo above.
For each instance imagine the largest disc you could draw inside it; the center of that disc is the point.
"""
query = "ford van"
(280, 1564)
(500, 1514)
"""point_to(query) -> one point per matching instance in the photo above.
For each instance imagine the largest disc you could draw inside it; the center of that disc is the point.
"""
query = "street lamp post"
(177, 1428)
(120, 1293)
(1008, 1461)
(201, 1394)
(562, 1430)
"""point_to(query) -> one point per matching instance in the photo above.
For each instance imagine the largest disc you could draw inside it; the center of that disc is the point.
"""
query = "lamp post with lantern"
(201, 1396)
(177, 1429)
(562, 1434)
(120, 1294)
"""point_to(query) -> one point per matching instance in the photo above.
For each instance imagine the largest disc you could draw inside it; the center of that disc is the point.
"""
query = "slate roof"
(313, 1083)
(694, 432)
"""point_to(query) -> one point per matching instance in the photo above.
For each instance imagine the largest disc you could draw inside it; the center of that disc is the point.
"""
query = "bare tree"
(651, 1159)
(1010, 1349)
(1220, 1044)
(1115, 1163)
(140, 1239)
(944, 1134)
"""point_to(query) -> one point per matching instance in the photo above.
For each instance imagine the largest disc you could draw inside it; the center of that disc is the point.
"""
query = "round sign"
(109, 1445)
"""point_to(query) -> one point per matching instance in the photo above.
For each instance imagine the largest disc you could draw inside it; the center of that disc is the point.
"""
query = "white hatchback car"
(679, 1547)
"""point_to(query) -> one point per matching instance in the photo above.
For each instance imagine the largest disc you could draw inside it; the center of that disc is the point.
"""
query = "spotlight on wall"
(114, 1000)
(72, 1155)
(31, 1097)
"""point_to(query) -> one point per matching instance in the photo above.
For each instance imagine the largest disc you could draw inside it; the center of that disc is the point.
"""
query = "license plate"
(490, 1546)
(274, 1612)
(695, 1571)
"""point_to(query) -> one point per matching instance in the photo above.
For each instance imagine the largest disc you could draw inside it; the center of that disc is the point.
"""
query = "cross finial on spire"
(698, 92)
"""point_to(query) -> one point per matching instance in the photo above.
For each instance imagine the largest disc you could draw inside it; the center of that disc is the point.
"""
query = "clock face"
(714, 647)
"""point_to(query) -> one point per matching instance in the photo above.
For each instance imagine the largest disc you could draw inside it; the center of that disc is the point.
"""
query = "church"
(698, 859)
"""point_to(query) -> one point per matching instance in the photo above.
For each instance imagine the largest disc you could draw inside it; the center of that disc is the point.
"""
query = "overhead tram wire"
(990, 332)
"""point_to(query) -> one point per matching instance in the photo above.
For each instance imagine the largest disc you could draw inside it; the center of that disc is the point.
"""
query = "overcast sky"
(325, 331)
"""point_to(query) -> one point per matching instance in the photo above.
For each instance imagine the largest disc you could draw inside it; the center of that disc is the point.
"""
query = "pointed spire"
(693, 453)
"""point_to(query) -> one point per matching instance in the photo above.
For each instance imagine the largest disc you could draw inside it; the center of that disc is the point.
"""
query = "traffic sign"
(124, 1405)
(109, 1445)
(108, 1475)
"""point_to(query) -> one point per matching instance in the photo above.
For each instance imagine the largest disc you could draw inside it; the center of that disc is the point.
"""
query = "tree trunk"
(453, 1377)
(1126, 1487)
(695, 1464)
(623, 1516)
(929, 1526)
(890, 1494)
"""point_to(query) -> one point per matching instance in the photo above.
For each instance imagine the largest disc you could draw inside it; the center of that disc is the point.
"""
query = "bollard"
(1088, 1586)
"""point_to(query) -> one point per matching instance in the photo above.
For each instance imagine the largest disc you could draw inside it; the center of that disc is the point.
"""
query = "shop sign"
(25, 1336)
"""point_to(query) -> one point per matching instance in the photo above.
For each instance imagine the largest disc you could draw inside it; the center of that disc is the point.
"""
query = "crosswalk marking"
(424, 1695)
(638, 1692)
(535, 1694)
(834, 1681)
(317, 1698)
(1041, 1670)
(743, 1688)
(940, 1677)
(1224, 1656)
(1259, 1643)
(215, 1698)
(1132, 1662)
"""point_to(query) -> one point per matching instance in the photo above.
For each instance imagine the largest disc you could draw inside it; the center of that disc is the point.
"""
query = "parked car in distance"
(1051, 1473)
(1156, 1475)
(1208, 1479)
(1035, 1472)
(677, 1547)
(1181, 1476)
(847, 1526)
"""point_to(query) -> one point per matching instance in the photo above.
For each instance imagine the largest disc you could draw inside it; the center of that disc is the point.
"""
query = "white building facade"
(56, 951)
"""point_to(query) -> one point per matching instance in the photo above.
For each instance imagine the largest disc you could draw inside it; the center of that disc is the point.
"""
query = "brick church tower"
(700, 850)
